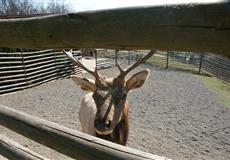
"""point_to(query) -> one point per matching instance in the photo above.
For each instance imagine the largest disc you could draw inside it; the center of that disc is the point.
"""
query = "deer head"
(110, 94)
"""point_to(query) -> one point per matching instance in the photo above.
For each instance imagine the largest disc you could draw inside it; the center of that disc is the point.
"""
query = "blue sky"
(82, 5)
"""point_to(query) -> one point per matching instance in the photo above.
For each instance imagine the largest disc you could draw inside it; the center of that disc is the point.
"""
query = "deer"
(104, 111)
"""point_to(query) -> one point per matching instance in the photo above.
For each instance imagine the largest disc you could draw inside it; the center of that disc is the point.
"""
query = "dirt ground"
(172, 115)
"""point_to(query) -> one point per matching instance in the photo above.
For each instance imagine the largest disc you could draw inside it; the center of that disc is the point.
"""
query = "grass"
(160, 61)
(219, 87)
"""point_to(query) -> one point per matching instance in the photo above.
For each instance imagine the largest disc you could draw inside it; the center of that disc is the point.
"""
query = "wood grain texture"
(14, 151)
(69, 142)
(190, 27)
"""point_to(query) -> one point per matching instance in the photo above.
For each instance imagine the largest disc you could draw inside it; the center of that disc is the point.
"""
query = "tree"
(27, 7)
(55, 6)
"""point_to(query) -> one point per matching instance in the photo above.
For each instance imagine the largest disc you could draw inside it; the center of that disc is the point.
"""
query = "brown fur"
(121, 131)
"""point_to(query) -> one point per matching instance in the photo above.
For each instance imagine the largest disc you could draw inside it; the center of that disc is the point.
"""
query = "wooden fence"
(196, 27)
(69, 142)
(14, 151)
(22, 70)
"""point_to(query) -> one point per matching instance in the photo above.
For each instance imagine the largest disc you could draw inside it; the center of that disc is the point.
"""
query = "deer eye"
(121, 95)
(98, 97)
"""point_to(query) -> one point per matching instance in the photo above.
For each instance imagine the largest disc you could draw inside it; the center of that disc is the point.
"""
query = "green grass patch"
(159, 60)
(219, 87)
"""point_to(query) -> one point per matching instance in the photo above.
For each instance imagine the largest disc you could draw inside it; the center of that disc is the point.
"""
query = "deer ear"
(137, 80)
(85, 84)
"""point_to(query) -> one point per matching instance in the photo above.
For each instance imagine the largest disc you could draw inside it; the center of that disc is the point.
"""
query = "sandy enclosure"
(172, 115)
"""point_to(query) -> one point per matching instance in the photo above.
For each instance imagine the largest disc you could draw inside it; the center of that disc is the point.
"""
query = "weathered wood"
(69, 142)
(189, 27)
(15, 151)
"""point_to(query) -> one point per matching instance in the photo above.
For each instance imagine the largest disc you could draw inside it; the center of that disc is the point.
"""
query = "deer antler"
(79, 64)
(124, 72)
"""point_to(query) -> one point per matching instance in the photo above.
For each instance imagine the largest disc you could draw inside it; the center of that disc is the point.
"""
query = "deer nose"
(108, 124)
(101, 124)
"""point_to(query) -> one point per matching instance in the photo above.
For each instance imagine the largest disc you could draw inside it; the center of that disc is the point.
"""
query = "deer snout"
(103, 127)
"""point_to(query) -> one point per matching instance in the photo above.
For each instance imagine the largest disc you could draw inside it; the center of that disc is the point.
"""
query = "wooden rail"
(69, 142)
(189, 27)
(15, 151)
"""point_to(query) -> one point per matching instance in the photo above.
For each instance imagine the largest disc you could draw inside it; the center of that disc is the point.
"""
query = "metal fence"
(22, 70)
(216, 65)
(207, 63)
(108, 57)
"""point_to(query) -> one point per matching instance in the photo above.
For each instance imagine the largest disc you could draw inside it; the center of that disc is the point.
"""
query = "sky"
(84, 5)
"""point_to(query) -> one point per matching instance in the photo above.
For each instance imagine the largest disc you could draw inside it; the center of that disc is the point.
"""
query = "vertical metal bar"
(95, 55)
(24, 68)
(81, 62)
(129, 58)
(167, 60)
(116, 55)
(55, 57)
(201, 60)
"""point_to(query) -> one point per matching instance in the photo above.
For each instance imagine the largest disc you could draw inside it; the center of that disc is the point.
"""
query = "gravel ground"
(172, 115)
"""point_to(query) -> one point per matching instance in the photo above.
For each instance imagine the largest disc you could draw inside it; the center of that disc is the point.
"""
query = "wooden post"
(15, 151)
(69, 142)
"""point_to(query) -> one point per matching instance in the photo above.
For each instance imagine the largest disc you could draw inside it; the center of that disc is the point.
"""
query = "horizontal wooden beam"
(14, 151)
(188, 27)
(69, 142)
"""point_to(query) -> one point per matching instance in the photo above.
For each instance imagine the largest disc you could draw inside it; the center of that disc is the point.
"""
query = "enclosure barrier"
(22, 70)
(204, 63)
(215, 65)
(69, 142)
(107, 57)
(186, 27)
(191, 27)
(15, 151)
